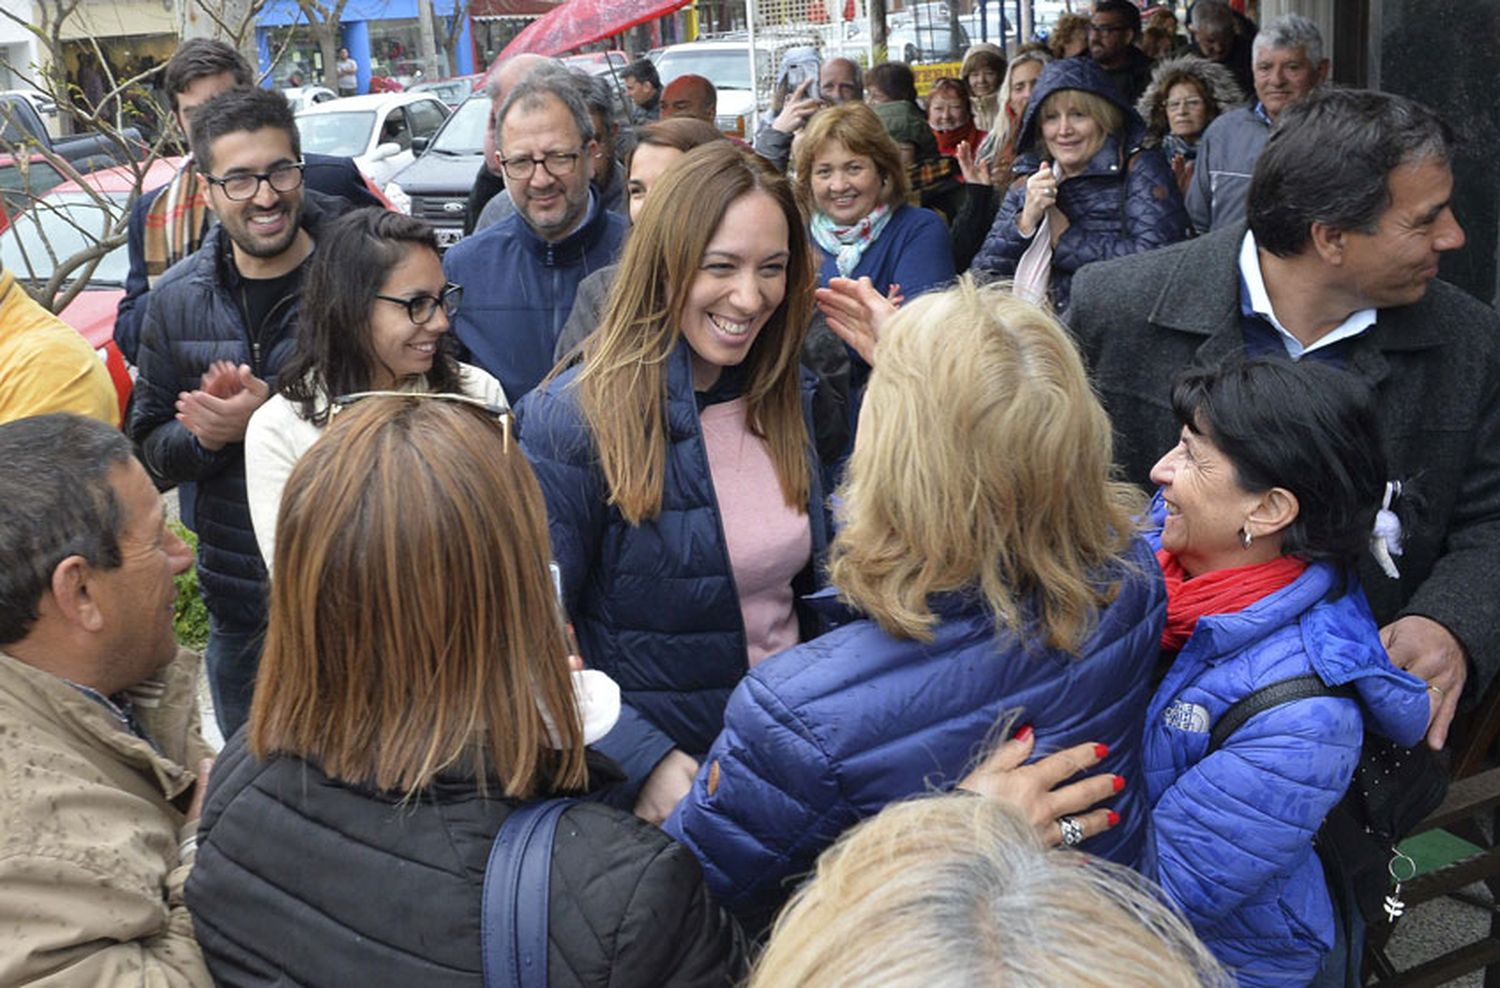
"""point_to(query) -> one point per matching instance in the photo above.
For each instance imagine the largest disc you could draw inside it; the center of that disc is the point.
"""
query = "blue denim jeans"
(1348, 950)
(232, 657)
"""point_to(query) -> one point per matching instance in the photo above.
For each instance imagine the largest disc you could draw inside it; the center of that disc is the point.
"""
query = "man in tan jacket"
(98, 717)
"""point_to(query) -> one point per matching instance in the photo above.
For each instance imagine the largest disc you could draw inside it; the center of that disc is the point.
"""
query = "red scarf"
(948, 140)
(1224, 591)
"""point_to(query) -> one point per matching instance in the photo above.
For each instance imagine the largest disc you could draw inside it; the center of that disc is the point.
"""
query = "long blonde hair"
(413, 625)
(955, 891)
(622, 386)
(982, 461)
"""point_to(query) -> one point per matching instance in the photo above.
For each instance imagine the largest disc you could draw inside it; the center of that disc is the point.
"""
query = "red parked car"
(69, 218)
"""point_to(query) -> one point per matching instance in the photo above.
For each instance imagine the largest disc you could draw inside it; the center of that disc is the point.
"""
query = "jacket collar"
(317, 209)
(1200, 296)
(58, 701)
(571, 249)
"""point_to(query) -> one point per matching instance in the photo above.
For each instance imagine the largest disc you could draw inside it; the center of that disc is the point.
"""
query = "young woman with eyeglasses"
(375, 317)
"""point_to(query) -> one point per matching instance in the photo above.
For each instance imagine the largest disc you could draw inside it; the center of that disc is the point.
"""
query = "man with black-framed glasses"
(218, 327)
(1114, 28)
(521, 274)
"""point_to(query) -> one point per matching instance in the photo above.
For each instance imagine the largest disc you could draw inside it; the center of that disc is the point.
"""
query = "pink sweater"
(769, 543)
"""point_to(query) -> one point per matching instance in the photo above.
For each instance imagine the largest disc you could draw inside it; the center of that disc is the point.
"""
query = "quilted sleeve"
(172, 453)
(1154, 217)
(766, 802)
(1248, 812)
(1005, 244)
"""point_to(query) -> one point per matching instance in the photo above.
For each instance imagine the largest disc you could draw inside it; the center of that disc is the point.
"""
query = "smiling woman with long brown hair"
(683, 493)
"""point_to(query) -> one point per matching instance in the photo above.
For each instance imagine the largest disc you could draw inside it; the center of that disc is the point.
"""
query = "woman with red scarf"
(1267, 500)
(950, 114)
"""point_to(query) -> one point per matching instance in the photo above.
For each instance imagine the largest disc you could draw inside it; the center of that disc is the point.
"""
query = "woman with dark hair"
(375, 317)
(683, 491)
(1266, 503)
(891, 82)
(414, 692)
(1184, 97)
(1086, 188)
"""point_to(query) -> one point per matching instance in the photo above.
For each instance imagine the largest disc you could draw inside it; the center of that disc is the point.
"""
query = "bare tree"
(56, 243)
(323, 21)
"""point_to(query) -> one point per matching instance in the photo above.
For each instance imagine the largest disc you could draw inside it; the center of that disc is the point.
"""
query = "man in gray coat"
(1287, 63)
(1349, 212)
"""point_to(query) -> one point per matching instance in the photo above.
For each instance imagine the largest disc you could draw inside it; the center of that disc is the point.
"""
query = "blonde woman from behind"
(957, 892)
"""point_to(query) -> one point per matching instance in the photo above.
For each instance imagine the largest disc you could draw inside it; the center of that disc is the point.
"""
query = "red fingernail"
(1119, 782)
(1114, 818)
(1101, 751)
(1024, 732)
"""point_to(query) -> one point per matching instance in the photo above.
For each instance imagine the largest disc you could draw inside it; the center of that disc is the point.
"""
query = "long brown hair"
(622, 386)
(413, 625)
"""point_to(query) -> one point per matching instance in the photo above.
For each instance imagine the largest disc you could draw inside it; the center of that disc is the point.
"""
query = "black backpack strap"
(517, 881)
(1272, 695)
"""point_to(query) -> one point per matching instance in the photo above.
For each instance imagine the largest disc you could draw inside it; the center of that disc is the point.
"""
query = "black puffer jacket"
(195, 316)
(301, 880)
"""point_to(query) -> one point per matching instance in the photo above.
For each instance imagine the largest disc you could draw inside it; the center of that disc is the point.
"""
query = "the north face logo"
(1186, 717)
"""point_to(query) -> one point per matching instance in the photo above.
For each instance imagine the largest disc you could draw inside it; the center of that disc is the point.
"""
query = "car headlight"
(398, 197)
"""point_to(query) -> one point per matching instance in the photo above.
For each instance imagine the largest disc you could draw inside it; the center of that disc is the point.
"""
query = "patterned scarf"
(847, 244)
(175, 222)
(1224, 591)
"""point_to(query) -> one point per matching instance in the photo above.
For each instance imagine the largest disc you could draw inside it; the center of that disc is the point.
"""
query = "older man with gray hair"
(102, 762)
(1287, 63)
(521, 274)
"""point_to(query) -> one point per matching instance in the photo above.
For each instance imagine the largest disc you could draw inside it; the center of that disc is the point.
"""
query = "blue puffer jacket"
(1125, 200)
(194, 317)
(825, 734)
(1232, 833)
(654, 605)
(519, 289)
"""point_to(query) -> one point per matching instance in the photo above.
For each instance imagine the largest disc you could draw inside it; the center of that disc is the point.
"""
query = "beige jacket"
(91, 821)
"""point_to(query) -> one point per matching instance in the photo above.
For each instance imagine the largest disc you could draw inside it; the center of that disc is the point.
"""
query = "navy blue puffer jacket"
(825, 734)
(1123, 202)
(654, 605)
(195, 317)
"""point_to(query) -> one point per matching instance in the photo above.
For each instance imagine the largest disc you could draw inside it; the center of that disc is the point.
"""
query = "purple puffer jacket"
(1125, 201)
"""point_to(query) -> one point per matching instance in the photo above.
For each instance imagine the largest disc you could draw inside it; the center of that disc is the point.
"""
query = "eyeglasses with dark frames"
(245, 185)
(559, 164)
(499, 413)
(420, 308)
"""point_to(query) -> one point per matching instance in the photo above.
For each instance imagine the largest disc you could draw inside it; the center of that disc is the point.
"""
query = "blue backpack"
(517, 880)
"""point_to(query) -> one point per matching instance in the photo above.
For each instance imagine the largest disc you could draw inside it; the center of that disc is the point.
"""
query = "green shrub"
(189, 615)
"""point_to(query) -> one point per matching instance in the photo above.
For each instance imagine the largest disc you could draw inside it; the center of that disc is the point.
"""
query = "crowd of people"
(860, 543)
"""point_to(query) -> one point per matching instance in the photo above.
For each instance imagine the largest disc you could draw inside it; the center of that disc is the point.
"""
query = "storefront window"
(396, 52)
(299, 60)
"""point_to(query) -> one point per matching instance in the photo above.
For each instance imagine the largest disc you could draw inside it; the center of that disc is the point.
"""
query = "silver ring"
(1072, 831)
(1436, 689)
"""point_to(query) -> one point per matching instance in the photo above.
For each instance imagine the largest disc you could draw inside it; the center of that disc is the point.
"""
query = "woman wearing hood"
(983, 71)
(1184, 97)
(1086, 178)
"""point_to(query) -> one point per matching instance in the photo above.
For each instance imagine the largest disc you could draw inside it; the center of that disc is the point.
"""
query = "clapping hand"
(976, 171)
(218, 412)
(857, 312)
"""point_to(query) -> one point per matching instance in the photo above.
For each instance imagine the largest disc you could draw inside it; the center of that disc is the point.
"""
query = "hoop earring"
(1245, 537)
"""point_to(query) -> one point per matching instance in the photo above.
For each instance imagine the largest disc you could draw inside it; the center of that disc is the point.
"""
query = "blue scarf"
(847, 244)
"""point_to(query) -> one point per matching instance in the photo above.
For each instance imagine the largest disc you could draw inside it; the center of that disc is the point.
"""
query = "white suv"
(726, 64)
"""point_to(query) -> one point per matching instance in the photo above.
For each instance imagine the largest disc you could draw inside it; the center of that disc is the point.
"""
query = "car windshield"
(55, 229)
(726, 69)
(346, 134)
(23, 181)
(464, 131)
